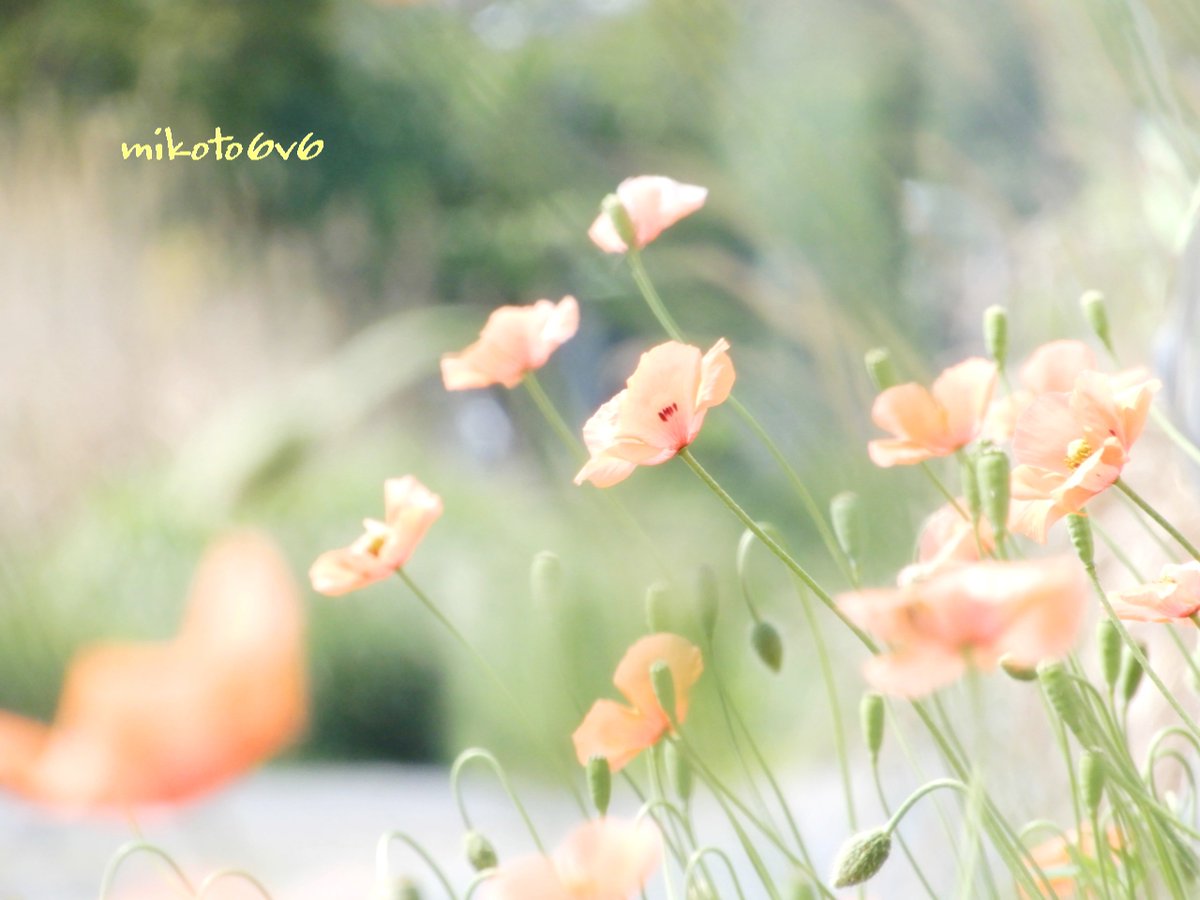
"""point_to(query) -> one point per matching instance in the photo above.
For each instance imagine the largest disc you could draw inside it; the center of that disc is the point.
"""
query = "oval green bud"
(1091, 780)
(479, 851)
(1096, 313)
(399, 888)
(845, 510)
(970, 487)
(1108, 647)
(992, 468)
(546, 580)
(871, 715)
(881, 369)
(1016, 670)
(679, 771)
(1131, 673)
(663, 682)
(599, 781)
(995, 333)
(1063, 696)
(612, 207)
(658, 607)
(802, 889)
(767, 644)
(861, 858)
(708, 602)
(1080, 530)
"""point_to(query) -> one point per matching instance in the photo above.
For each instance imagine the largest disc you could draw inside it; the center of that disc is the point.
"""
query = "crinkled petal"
(964, 392)
(1055, 366)
(632, 677)
(616, 732)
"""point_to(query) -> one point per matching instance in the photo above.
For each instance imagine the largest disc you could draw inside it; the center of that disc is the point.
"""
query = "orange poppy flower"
(928, 424)
(515, 340)
(659, 413)
(163, 722)
(1055, 860)
(1028, 611)
(947, 537)
(1051, 367)
(654, 203)
(410, 508)
(1175, 595)
(606, 859)
(1071, 447)
(619, 733)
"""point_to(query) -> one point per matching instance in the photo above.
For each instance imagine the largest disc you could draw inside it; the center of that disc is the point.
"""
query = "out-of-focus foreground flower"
(515, 340)
(619, 733)
(162, 722)
(409, 509)
(1055, 859)
(651, 204)
(976, 613)
(1175, 595)
(659, 413)
(607, 859)
(948, 537)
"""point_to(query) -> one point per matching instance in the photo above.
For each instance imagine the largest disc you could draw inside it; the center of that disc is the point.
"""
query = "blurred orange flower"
(607, 859)
(1175, 595)
(619, 733)
(515, 340)
(659, 413)
(1072, 446)
(1053, 366)
(947, 537)
(973, 613)
(1055, 860)
(654, 203)
(929, 424)
(409, 509)
(163, 722)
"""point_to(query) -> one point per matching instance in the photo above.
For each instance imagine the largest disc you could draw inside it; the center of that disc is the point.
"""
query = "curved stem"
(231, 873)
(923, 790)
(455, 788)
(908, 854)
(129, 849)
(697, 858)
(383, 870)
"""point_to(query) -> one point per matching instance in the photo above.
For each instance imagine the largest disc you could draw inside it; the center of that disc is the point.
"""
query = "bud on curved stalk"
(599, 781)
(881, 369)
(612, 207)
(862, 857)
(993, 470)
(1108, 648)
(658, 607)
(1080, 530)
(870, 713)
(1016, 671)
(1131, 673)
(1091, 780)
(479, 851)
(679, 771)
(663, 683)
(846, 512)
(995, 334)
(1056, 682)
(1096, 313)
(767, 644)
(399, 888)
(802, 889)
(708, 602)
(546, 580)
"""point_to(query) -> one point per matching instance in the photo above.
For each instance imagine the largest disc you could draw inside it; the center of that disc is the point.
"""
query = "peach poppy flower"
(1054, 858)
(927, 424)
(1175, 595)
(515, 340)
(947, 537)
(409, 509)
(1052, 367)
(619, 733)
(606, 859)
(654, 204)
(163, 722)
(1071, 447)
(659, 412)
(976, 612)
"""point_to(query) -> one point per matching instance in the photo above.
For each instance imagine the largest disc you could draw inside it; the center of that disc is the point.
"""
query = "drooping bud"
(1063, 697)
(767, 644)
(599, 781)
(708, 602)
(995, 334)
(1016, 670)
(658, 607)
(1091, 780)
(802, 889)
(1096, 313)
(1080, 530)
(399, 888)
(870, 716)
(1131, 673)
(612, 207)
(679, 771)
(1108, 646)
(881, 369)
(992, 467)
(546, 580)
(663, 683)
(479, 851)
(848, 526)
(861, 858)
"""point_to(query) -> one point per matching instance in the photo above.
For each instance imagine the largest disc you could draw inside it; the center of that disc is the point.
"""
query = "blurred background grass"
(192, 344)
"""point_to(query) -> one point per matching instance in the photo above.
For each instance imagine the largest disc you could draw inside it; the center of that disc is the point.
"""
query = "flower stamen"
(1077, 451)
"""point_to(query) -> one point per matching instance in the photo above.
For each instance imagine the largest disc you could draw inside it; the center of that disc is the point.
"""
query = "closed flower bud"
(1091, 780)
(1108, 645)
(1017, 671)
(400, 888)
(1096, 313)
(599, 781)
(1064, 698)
(546, 580)
(663, 683)
(767, 644)
(870, 713)
(970, 488)
(880, 368)
(992, 467)
(658, 607)
(995, 334)
(846, 512)
(1131, 674)
(479, 851)
(861, 858)
(708, 602)
(612, 207)
(802, 889)
(1080, 530)
(679, 771)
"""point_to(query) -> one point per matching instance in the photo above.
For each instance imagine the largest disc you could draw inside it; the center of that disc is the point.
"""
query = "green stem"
(1158, 518)
(382, 869)
(456, 789)
(908, 854)
(139, 846)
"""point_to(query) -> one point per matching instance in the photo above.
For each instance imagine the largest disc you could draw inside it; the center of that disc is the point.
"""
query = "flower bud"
(992, 468)
(479, 851)
(881, 369)
(663, 683)
(1131, 673)
(846, 512)
(546, 580)
(1016, 670)
(1080, 530)
(1108, 645)
(612, 207)
(1096, 314)
(970, 488)
(1091, 780)
(1063, 697)
(802, 889)
(399, 888)
(862, 857)
(679, 771)
(599, 781)
(995, 334)
(767, 644)
(708, 602)
(870, 714)
(658, 607)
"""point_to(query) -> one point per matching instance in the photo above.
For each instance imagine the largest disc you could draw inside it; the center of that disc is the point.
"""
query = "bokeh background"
(189, 345)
